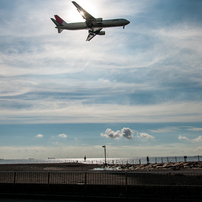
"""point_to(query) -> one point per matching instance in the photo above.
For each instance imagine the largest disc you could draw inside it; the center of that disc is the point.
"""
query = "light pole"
(105, 153)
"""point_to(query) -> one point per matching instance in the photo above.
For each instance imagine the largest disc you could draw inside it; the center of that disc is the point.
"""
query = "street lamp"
(105, 153)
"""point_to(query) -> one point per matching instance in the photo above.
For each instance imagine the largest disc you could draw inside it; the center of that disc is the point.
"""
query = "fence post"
(170, 184)
(14, 179)
(48, 183)
(126, 180)
(85, 181)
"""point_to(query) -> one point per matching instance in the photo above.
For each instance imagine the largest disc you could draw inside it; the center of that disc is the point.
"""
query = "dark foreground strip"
(101, 192)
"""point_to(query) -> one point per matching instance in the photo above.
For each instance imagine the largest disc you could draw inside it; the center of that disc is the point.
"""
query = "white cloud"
(39, 136)
(111, 134)
(146, 136)
(127, 133)
(164, 130)
(198, 139)
(181, 32)
(62, 135)
(195, 129)
(103, 80)
(183, 138)
(59, 111)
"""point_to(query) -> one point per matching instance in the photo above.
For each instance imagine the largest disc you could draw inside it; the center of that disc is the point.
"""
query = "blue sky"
(137, 90)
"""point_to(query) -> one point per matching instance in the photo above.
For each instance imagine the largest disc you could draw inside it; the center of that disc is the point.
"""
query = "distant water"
(136, 160)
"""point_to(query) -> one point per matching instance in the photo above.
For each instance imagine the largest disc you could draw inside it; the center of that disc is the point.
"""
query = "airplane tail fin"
(56, 22)
(59, 22)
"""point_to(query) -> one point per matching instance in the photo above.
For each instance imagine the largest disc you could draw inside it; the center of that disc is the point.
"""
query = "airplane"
(93, 25)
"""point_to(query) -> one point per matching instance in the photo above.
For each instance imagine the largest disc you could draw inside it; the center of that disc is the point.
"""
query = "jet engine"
(98, 20)
(102, 33)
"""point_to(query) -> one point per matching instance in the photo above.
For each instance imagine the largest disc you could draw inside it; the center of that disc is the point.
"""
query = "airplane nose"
(127, 22)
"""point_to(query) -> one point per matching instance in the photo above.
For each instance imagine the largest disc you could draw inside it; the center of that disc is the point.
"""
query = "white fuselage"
(103, 24)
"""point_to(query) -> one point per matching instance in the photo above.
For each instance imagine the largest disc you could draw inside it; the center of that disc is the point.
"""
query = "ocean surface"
(136, 160)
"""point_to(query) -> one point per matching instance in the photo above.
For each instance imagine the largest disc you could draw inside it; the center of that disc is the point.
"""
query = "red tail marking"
(58, 19)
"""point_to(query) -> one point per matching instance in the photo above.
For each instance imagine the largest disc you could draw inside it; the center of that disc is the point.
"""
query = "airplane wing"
(88, 17)
(93, 33)
(89, 22)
